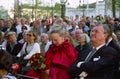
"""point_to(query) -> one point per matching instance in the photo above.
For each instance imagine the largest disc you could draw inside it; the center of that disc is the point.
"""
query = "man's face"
(97, 34)
(73, 24)
(9, 24)
(118, 35)
(22, 21)
(1, 23)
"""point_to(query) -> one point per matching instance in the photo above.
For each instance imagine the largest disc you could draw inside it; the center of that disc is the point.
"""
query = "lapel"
(99, 52)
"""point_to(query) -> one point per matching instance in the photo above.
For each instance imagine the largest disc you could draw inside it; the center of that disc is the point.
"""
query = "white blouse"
(31, 49)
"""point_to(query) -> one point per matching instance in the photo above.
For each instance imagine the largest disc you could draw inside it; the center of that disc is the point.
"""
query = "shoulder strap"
(22, 57)
(26, 49)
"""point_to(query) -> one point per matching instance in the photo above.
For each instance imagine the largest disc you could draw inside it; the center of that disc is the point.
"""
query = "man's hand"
(79, 64)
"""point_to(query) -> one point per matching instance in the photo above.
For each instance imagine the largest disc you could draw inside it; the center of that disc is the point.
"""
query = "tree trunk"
(113, 8)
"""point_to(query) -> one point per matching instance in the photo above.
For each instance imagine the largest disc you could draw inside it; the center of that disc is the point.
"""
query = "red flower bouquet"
(36, 62)
(37, 66)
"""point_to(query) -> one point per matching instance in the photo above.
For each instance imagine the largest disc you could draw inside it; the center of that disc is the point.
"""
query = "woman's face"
(30, 37)
(43, 38)
(12, 38)
(81, 40)
(57, 39)
(25, 37)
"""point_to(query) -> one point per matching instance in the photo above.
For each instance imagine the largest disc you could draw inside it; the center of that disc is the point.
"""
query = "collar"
(97, 48)
(109, 40)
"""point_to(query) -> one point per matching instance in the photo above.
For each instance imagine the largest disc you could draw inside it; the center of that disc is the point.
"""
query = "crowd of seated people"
(65, 45)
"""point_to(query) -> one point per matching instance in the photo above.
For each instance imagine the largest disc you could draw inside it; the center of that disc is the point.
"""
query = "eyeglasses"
(29, 35)
(23, 28)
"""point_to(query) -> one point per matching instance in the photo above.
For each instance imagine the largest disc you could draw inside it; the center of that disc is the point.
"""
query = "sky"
(8, 4)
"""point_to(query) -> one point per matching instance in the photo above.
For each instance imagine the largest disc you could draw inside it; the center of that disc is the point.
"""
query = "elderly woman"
(44, 43)
(84, 42)
(13, 47)
(60, 55)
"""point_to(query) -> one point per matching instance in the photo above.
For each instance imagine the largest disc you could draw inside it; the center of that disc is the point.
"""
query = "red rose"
(36, 61)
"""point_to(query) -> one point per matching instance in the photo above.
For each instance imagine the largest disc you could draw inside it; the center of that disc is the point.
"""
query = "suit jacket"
(72, 29)
(100, 66)
(16, 49)
(11, 29)
(114, 45)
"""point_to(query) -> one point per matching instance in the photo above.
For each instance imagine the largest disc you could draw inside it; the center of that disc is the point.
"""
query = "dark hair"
(1, 37)
(24, 27)
(107, 29)
(2, 20)
(6, 60)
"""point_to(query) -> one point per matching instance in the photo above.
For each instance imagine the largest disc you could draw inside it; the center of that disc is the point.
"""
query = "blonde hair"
(11, 33)
(59, 29)
(86, 37)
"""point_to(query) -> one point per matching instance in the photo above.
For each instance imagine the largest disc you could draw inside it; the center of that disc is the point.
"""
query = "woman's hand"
(42, 66)
(45, 74)
(47, 71)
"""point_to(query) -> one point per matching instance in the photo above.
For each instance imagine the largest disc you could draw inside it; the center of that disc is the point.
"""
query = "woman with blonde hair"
(31, 46)
(60, 55)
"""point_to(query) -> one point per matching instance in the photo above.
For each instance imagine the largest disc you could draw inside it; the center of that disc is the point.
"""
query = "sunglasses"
(23, 28)
(29, 35)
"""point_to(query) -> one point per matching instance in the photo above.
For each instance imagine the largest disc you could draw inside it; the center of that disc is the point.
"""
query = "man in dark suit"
(74, 27)
(112, 42)
(9, 27)
(99, 64)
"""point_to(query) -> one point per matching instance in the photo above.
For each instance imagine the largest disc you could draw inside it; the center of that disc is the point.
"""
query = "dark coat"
(11, 29)
(103, 68)
(114, 45)
(15, 50)
(20, 36)
(80, 48)
(83, 52)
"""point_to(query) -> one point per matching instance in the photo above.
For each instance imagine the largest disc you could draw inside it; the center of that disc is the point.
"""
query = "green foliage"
(3, 13)
(39, 11)
(118, 4)
(92, 5)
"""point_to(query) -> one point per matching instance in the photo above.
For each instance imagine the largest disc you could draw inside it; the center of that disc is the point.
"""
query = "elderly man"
(97, 64)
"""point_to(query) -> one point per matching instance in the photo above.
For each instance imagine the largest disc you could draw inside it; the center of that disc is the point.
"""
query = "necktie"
(84, 74)
(90, 55)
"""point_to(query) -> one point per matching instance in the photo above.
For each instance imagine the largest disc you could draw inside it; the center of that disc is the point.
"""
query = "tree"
(118, 4)
(3, 13)
(113, 8)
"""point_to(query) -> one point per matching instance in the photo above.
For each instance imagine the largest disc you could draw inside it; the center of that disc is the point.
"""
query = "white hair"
(87, 38)
(44, 34)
